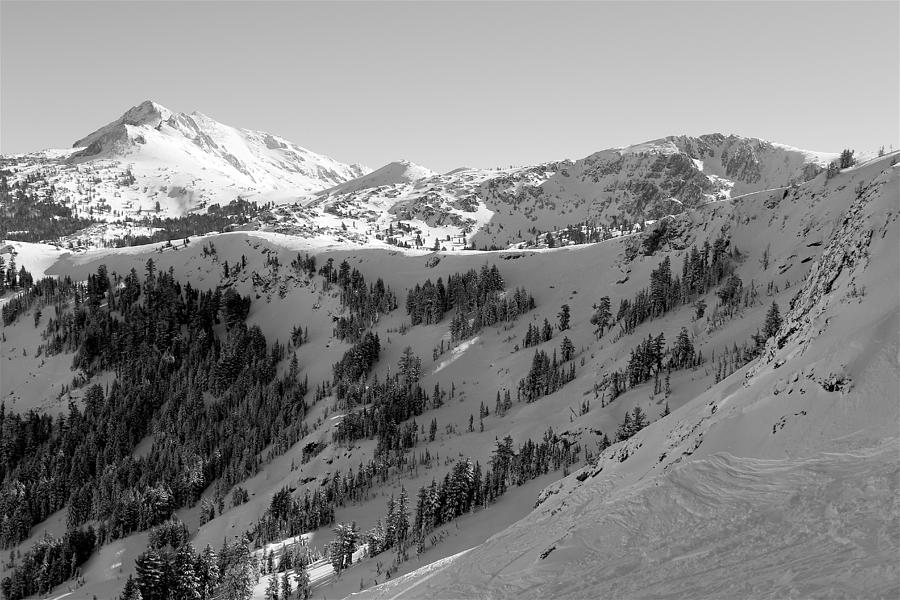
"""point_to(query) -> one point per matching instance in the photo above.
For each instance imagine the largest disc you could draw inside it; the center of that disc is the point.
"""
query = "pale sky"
(452, 84)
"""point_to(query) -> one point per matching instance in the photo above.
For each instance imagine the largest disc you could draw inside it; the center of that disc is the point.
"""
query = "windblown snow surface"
(779, 482)
(719, 527)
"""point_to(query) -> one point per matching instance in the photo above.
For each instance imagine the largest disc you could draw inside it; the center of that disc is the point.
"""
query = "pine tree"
(546, 331)
(847, 159)
(131, 590)
(684, 349)
(286, 589)
(186, 584)
(563, 317)
(240, 577)
(773, 321)
(409, 366)
(625, 429)
(402, 525)
(343, 545)
(272, 588)
(301, 578)
(149, 571)
(601, 316)
(207, 570)
(638, 419)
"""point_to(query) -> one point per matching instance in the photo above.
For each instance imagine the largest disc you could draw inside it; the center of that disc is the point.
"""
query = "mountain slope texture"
(781, 481)
(665, 370)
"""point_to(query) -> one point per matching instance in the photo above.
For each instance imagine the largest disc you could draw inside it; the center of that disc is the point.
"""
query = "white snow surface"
(398, 172)
(820, 158)
(183, 161)
(36, 258)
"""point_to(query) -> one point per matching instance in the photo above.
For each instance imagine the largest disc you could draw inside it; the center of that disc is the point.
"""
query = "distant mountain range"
(152, 160)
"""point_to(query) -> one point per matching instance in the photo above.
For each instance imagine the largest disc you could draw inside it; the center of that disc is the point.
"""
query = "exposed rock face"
(645, 181)
(835, 276)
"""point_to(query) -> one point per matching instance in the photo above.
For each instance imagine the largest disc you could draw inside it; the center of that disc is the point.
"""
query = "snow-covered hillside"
(762, 459)
(780, 481)
(183, 162)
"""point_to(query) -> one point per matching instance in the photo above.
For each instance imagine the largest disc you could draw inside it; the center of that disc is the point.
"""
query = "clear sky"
(452, 84)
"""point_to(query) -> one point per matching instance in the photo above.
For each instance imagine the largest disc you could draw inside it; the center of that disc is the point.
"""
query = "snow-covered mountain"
(604, 194)
(152, 161)
(641, 182)
(775, 477)
(779, 481)
(182, 161)
(395, 173)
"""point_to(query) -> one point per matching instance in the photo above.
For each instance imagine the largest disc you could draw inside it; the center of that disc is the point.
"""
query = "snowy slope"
(394, 173)
(800, 227)
(183, 161)
(781, 481)
(35, 258)
(515, 207)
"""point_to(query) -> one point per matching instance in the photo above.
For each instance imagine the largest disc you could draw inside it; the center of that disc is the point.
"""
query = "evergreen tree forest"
(31, 212)
(546, 376)
(28, 291)
(28, 215)
(176, 377)
(701, 270)
(364, 304)
(476, 298)
(216, 218)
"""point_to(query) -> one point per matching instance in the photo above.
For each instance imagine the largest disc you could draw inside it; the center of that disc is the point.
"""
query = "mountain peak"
(408, 168)
(144, 110)
(204, 154)
(399, 171)
(147, 112)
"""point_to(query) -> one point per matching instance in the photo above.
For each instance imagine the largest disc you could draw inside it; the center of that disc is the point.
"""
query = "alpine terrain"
(234, 368)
